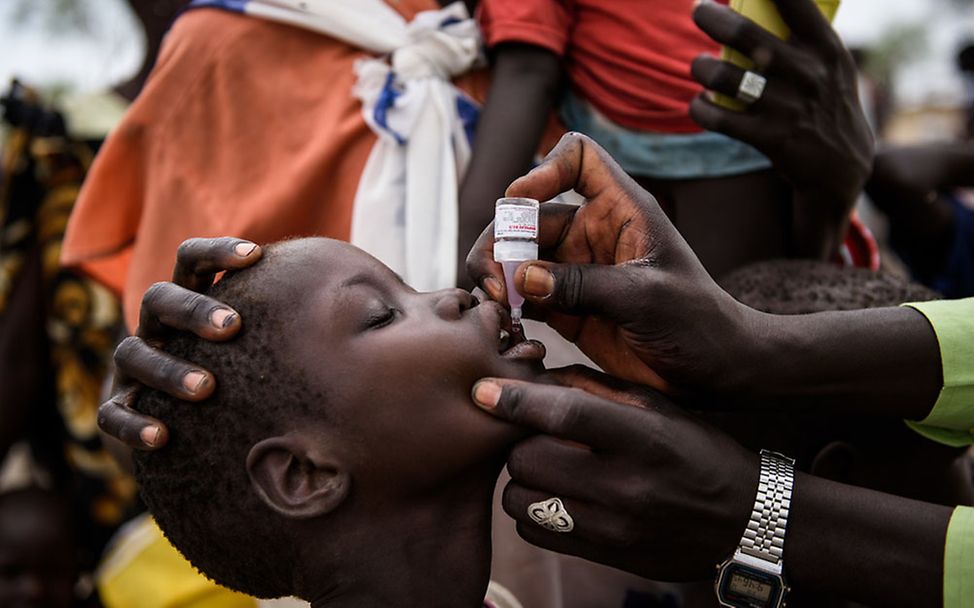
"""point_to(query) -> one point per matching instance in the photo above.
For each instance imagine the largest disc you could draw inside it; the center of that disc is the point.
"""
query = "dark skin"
(906, 184)
(626, 287)
(399, 449)
(667, 497)
(617, 279)
(38, 568)
(156, 16)
(809, 124)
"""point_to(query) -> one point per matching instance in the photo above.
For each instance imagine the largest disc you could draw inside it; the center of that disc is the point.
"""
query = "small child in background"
(339, 459)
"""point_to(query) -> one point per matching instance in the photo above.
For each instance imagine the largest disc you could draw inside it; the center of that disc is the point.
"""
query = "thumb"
(577, 289)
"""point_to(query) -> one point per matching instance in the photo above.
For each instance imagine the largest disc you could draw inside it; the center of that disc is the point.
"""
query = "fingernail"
(486, 394)
(493, 287)
(149, 435)
(244, 249)
(194, 381)
(221, 318)
(538, 282)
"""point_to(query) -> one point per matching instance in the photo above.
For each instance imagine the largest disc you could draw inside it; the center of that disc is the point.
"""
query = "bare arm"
(523, 87)
(882, 361)
(23, 357)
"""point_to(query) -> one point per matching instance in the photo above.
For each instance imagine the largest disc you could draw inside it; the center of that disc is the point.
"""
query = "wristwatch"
(753, 577)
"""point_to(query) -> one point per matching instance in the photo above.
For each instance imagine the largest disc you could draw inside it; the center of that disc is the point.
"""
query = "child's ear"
(296, 476)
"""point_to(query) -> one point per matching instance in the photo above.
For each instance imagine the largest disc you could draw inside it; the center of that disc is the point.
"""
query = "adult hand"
(651, 490)
(808, 122)
(616, 278)
(167, 307)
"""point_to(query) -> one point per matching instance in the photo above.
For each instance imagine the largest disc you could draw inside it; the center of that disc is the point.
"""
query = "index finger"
(198, 260)
(575, 163)
(553, 221)
(565, 413)
(807, 22)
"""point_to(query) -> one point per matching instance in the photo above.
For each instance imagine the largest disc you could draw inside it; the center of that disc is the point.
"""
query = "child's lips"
(528, 350)
(511, 344)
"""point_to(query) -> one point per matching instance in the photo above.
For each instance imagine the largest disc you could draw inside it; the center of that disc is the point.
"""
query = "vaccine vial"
(515, 241)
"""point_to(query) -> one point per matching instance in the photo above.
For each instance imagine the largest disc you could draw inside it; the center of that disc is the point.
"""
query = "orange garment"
(629, 58)
(245, 128)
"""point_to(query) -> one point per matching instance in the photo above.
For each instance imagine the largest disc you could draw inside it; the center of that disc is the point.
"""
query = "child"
(339, 459)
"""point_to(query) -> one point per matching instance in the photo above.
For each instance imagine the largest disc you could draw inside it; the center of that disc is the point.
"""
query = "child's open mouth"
(512, 344)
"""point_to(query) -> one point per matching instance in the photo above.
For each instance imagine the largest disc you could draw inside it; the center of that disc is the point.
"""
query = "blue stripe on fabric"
(237, 6)
(385, 102)
(469, 113)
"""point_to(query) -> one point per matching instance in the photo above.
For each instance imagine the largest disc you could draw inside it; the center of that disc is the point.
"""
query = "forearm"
(875, 548)
(522, 92)
(819, 223)
(883, 361)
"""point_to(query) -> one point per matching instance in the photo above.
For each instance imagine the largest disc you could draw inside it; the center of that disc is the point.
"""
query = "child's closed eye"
(381, 318)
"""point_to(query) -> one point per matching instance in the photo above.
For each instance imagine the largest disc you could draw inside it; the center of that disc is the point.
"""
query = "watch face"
(742, 587)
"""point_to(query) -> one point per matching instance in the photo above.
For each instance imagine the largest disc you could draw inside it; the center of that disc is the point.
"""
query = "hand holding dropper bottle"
(515, 241)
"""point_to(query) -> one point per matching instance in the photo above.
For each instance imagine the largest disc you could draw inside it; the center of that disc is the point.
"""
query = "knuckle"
(125, 351)
(624, 533)
(739, 31)
(565, 410)
(155, 293)
(188, 250)
(195, 305)
(570, 287)
(106, 415)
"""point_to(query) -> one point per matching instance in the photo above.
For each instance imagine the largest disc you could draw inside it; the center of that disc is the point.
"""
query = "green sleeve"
(952, 419)
(959, 560)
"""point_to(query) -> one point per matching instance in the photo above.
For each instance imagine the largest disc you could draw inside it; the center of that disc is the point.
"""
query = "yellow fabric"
(959, 560)
(143, 570)
(952, 419)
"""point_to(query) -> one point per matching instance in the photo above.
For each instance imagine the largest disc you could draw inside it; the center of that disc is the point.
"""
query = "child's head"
(344, 397)
(38, 552)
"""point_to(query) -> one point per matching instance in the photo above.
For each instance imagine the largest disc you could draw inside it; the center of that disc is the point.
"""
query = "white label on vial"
(515, 222)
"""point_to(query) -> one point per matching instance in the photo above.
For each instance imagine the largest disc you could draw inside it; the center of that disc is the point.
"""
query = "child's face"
(398, 366)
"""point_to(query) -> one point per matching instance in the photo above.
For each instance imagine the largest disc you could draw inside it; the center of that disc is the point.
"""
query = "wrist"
(881, 549)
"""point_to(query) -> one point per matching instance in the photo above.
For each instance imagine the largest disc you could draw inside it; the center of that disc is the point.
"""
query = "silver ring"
(752, 87)
(551, 515)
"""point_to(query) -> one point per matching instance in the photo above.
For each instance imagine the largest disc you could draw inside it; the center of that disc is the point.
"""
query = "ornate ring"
(551, 515)
(752, 87)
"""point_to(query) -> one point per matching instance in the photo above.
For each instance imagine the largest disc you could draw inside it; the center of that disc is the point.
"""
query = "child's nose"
(452, 303)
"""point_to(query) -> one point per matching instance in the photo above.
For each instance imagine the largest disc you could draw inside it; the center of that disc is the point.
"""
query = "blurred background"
(909, 54)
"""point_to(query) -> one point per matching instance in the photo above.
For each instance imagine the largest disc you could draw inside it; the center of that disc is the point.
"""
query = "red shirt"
(629, 58)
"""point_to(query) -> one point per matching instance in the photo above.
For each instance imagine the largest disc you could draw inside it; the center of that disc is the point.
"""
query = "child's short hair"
(197, 487)
(805, 286)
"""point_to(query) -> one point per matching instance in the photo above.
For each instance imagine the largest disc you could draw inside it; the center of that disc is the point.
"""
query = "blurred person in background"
(58, 328)
(927, 193)
(630, 75)
(39, 565)
(965, 63)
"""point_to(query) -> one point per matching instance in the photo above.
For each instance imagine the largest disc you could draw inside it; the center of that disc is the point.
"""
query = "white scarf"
(406, 211)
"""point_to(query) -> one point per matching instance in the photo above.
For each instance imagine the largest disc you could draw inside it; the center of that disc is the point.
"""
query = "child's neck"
(430, 554)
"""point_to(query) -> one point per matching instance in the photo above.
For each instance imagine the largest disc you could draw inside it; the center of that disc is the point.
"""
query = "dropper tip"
(516, 319)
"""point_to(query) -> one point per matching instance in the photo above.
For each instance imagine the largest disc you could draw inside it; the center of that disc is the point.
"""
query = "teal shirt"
(952, 422)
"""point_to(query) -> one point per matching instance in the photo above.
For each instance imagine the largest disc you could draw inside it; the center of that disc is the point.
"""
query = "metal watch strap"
(764, 537)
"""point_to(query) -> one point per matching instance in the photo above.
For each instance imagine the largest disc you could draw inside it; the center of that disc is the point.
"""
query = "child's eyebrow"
(367, 278)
